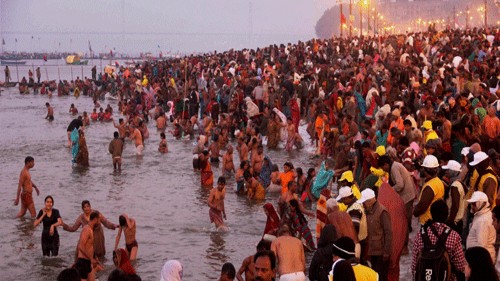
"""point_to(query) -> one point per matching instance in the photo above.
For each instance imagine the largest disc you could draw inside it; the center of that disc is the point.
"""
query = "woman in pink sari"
(391, 200)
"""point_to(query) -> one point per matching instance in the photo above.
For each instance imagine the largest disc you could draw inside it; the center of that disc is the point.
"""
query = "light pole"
(350, 18)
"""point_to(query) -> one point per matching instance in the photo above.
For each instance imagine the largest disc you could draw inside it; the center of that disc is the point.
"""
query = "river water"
(162, 192)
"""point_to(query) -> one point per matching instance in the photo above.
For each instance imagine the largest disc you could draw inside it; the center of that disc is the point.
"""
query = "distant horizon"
(129, 27)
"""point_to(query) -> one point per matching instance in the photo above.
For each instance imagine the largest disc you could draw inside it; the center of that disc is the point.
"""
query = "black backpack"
(433, 262)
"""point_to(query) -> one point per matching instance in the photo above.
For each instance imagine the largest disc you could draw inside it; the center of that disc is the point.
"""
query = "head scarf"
(123, 262)
(171, 271)
(273, 220)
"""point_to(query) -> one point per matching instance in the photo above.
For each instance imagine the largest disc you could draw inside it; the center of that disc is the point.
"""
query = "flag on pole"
(90, 47)
(3, 41)
(342, 19)
(45, 57)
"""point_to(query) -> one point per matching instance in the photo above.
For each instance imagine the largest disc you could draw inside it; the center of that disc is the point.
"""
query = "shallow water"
(162, 192)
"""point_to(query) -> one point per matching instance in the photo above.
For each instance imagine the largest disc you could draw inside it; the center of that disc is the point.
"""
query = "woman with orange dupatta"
(121, 261)
(207, 176)
(272, 222)
(391, 200)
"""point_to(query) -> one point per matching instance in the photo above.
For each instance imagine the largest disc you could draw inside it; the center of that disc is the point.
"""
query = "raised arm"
(75, 226)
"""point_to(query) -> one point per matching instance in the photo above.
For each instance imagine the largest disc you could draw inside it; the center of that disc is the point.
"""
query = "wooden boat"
(8, 85)
(12, 62)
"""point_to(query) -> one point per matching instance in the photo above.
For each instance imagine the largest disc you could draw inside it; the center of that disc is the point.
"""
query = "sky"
(134, 26)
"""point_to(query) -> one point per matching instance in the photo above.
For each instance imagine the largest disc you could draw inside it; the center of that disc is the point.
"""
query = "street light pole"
(485, 14)
(350, 18)
(341, 25)
(360, 18)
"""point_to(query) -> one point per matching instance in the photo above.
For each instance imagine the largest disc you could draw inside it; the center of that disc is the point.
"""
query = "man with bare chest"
(86, 261)
(217, 211)
(128, 226)
(228, 163)
(214, 150)
(242, 150)
(25, 189)
(257, 160)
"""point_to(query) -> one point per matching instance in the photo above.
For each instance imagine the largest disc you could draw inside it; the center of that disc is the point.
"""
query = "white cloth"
(295, 276)
(171, 271)
(482, 232)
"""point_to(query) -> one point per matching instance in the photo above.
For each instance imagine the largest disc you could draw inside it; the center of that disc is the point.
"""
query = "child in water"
(163, 148)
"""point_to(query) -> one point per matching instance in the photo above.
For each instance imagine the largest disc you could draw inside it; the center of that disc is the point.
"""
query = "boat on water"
(12, 62)
(76, 60)
(8, 85)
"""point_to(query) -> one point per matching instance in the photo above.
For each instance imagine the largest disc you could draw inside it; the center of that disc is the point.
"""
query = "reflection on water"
(161, 192)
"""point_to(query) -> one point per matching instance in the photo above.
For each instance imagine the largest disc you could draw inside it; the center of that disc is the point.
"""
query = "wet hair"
(299, 171)
(69, 274)
(221, 180)
(407, 122)
(95, 214)
(269, 254)
(28, 159)
(51, 198)
(275, 168)
(439, 211)
(122, 220)
(116, 135)
(134, 277)
(117, 275)
(85, 202)
(162, 135)
(228, 270)
(481, 265)
(247, 175)
(289, 164)
(243, 163)
(294, 203)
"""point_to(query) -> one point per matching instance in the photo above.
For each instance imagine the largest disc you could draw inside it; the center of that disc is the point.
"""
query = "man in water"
(227, 163)
(115, 149)
(127, 225)
(136, 136)
(50, 112)
(75, 124)
(121, 127)
(289, 252)
(25, 189)
(86, 262)
(257, 160)
(217, 211)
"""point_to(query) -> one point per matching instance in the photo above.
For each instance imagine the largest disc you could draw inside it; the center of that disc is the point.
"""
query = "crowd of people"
(403, 127)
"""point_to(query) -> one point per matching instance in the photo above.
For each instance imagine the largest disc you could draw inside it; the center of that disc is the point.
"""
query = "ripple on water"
(162, 192)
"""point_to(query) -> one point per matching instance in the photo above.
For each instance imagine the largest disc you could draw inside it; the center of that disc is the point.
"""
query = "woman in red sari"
(391, 200)
(207, 176)
(121, 261)
(273, 220)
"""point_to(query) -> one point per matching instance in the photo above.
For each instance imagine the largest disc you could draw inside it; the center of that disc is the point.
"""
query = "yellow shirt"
(364, 273)
(437, 187)
(475, 176)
